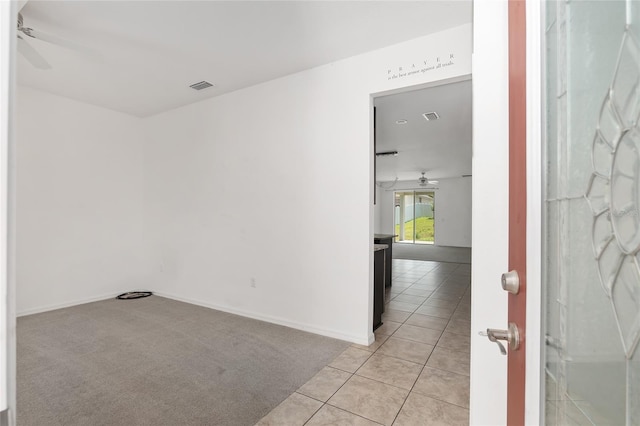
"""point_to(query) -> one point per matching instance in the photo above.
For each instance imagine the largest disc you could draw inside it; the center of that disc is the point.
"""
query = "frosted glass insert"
(609, 124)
(592, 212)
(633, 388)
(602, 156)
(598, 194)
(626, 83)
(602, 233)
(625, 295)
(625, 192)
(609, 265)
(616, 195)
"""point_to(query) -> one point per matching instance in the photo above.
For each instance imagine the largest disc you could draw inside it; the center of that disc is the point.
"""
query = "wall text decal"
(420, 67)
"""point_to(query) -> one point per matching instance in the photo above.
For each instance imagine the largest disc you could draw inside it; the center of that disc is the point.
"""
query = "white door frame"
(7, 282)
(535, 359)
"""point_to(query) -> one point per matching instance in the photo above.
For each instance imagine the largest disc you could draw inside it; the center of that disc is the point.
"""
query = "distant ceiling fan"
(423, 181)
(30, 53)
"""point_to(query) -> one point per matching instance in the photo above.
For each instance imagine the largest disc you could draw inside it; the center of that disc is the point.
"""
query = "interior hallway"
(417, 370)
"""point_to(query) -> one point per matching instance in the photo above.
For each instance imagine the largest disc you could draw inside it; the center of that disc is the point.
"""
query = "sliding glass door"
(414, 217)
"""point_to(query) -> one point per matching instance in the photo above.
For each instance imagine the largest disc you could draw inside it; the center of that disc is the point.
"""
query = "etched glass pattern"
(613, 193)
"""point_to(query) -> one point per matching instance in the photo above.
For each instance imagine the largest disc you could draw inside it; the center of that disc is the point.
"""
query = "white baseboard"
(274, 320)
(366, 340)
(65, 304)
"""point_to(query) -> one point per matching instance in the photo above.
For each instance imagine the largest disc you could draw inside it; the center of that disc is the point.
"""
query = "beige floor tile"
(417, 292)
(444, 296)
(323, 385)
(395, 281)
(459, 326)
(350, 360)
(444, 386)
(402, 306)
(420, 410)
(406, 349)
(427, 321)
(451, 291)
(446, 359)
(424, 286)
(462, 313)
(435, 312)
(407, 298)
(400, 285)
(380, 339)
(390, 370)
(396, 316)
(418, 334)
(370, 399)
(456, 342)
(388, 328)
(293, 411)
(332, 416)
(439, 303)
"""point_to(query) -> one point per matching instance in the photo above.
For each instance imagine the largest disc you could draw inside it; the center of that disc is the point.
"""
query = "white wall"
(273, 182)
(453, 210)
(377, 211)
(79, 202)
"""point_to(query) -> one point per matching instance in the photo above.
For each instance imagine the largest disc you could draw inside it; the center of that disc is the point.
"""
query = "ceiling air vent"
(201, 85)
(430, 116)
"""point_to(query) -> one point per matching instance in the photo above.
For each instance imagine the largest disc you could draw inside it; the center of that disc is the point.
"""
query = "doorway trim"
(8, 13)
(534, 403)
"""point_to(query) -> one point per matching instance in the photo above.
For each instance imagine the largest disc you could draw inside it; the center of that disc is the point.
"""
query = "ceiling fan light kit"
(424, 181)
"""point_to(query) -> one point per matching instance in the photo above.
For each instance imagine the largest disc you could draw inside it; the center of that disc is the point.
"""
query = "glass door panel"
(414, 217)
(424, 207)
(403, 216)
(591, 280)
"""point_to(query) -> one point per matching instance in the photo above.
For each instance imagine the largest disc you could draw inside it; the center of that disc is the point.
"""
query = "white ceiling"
(147, 53)
(441, 148)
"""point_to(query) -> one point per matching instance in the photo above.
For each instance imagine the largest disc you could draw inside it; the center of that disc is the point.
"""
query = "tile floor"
(417, 370)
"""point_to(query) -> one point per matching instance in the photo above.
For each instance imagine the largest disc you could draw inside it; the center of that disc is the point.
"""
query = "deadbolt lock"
(511, 282)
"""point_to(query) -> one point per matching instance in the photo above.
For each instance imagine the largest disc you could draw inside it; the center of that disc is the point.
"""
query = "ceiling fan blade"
(32, 55)
(59, 41)
(433, 181)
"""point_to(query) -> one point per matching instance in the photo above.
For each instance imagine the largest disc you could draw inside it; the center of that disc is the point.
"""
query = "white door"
(490, 220)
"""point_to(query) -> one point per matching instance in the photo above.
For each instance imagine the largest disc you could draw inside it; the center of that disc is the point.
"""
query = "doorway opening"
(414, 217)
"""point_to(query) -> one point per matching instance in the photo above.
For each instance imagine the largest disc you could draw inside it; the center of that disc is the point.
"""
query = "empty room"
(219, 155)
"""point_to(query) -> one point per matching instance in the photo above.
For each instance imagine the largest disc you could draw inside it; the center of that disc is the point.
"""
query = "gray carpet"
(156, 361)
(431, 252)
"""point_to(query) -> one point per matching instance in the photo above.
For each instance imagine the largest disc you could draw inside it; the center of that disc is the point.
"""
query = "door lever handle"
(511, 336)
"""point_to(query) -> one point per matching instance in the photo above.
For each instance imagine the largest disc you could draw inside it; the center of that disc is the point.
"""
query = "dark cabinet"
(378, 284)
(386, 239)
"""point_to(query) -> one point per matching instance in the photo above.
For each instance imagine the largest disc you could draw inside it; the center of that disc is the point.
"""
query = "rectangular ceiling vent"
(430, 116)
(201, 85)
